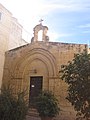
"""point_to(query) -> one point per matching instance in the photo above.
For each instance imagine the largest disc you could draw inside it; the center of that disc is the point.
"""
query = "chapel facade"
(36, 67)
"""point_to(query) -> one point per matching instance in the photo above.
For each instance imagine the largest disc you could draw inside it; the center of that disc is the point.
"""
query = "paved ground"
(32, 118)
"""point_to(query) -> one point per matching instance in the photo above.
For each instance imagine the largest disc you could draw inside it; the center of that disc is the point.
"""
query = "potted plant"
(47, 105)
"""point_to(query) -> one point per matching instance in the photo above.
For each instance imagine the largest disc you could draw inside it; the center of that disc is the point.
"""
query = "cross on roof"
(40, 21)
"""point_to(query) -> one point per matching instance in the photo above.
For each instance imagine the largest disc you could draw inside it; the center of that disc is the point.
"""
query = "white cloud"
(85, 26)
(87, 31)
(28, 12)
(53, 36)
(66, 5)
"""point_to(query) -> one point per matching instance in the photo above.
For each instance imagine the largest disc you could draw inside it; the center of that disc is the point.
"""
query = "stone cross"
(40, 21)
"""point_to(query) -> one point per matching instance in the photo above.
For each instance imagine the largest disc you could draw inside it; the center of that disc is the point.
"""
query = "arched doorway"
(35, 68)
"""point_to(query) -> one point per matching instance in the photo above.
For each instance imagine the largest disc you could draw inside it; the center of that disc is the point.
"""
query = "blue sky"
(68, 20)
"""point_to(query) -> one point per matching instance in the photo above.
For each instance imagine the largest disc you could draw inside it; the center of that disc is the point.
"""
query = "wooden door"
(35, 88)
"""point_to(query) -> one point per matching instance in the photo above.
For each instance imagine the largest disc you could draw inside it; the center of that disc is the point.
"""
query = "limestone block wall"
(3, 48)
(10, 35)
(63, 53)
(15, 38)
(5, 23)
(42, 59)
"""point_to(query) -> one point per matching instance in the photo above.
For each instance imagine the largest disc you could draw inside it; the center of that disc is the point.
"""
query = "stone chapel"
(36, 66)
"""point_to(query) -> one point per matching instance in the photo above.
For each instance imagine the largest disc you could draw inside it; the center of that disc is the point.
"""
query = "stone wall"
(42, 59)
(10, 35)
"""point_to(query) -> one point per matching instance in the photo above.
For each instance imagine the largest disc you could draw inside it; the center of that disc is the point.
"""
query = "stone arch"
(44, 29)
(39, 53)
(27, 63)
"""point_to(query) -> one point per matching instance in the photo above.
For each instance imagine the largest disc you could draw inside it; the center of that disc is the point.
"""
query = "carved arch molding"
(39, 55)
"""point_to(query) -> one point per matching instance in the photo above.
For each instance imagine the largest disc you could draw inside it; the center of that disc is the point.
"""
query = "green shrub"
(12, 106)
(47, 104)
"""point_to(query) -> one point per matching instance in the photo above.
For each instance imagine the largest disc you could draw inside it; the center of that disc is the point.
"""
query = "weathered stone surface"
(40, 58)
(10, 35)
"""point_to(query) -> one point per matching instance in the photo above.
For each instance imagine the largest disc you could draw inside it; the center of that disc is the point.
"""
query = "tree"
(12, 106)
(77, 75)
